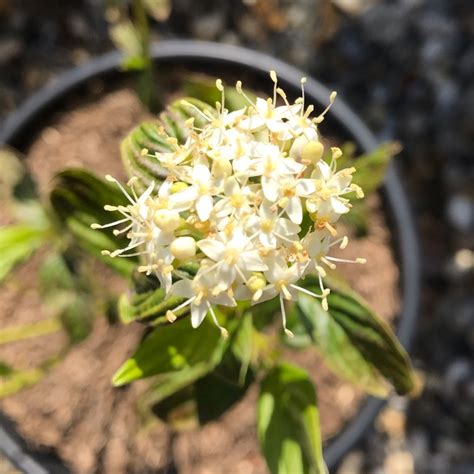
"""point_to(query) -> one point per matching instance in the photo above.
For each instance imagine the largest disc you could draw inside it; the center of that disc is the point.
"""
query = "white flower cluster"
(234, 201)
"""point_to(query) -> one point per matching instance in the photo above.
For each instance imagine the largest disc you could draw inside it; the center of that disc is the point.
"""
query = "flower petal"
(294, 210)
(198, 313)
(182, 288)
(204, 206)
(339, 206)
(251, 261)
(213, 248)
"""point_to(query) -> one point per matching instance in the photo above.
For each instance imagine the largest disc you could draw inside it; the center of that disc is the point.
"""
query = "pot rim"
(259, 64)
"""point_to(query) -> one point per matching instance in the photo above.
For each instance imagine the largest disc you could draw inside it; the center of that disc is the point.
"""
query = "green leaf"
(54, 274)
(16, 183)
(93, 241)
(20, 380)
(242, 345)
(77, 319)
(203, 391)
(78, 199)
(78, 191)
(173, 382)
(149, 302)
(17, 243)
(356, 343)
(126, 37)
(221, 389)
(28, 331)
(5, 369)
(172, 348)
(372, 167)
(288, 422)
(301, 339)
(369, 175)
(159, 9)
(150, 306)
(358, 217)
(16, 380)
(154, 137)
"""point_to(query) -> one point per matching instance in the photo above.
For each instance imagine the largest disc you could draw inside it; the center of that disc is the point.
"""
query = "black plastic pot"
(211, 57)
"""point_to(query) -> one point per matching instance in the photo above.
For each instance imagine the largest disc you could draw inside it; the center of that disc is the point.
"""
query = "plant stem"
(147, 87)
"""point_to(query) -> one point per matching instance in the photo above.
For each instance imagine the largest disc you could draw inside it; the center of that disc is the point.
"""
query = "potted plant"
(183, 379)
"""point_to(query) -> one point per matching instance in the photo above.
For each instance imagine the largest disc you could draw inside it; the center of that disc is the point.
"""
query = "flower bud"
(221, 167)
(312, 152)
(167, 220)
(183, 248)
(256, 282)
(178, 186)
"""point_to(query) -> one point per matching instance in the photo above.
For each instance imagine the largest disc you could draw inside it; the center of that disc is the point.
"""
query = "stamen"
(345, 260)
(111, 179)
(224, 332)
(274, 78)
(196, 109)
(110, 224)
(303, 82)
(332, 266)
(308, 292)
(330, 228)
(332, 98)
(238, 88)
(283, 317)
(220, 87)
(286, 292)
(183, 305)
(115, 253)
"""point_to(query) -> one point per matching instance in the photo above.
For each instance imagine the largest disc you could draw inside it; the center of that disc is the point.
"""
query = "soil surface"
(75, 411)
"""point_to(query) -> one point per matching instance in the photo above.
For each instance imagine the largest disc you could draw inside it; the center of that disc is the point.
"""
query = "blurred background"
(407, 67)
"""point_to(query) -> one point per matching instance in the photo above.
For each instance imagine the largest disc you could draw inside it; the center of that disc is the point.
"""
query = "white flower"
(270, 227)
(234, 256)
(290, 192)
(328, 201)
(199, 193)
(202, 292)
(237, 200)
(266, 114)
(235, 195)
(272, 168)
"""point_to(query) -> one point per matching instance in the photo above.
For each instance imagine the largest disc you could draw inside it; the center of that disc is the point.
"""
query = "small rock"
(460, 212)
(399, 462)
(10, 48)
(210, 26)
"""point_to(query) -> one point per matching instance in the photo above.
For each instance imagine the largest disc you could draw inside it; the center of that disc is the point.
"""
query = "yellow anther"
(336, 152)
(178, 186)
(312, 152)
(321, 270)
(170, 316)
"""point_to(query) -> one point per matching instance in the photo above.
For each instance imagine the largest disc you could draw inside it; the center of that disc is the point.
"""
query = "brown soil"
(74, 410)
